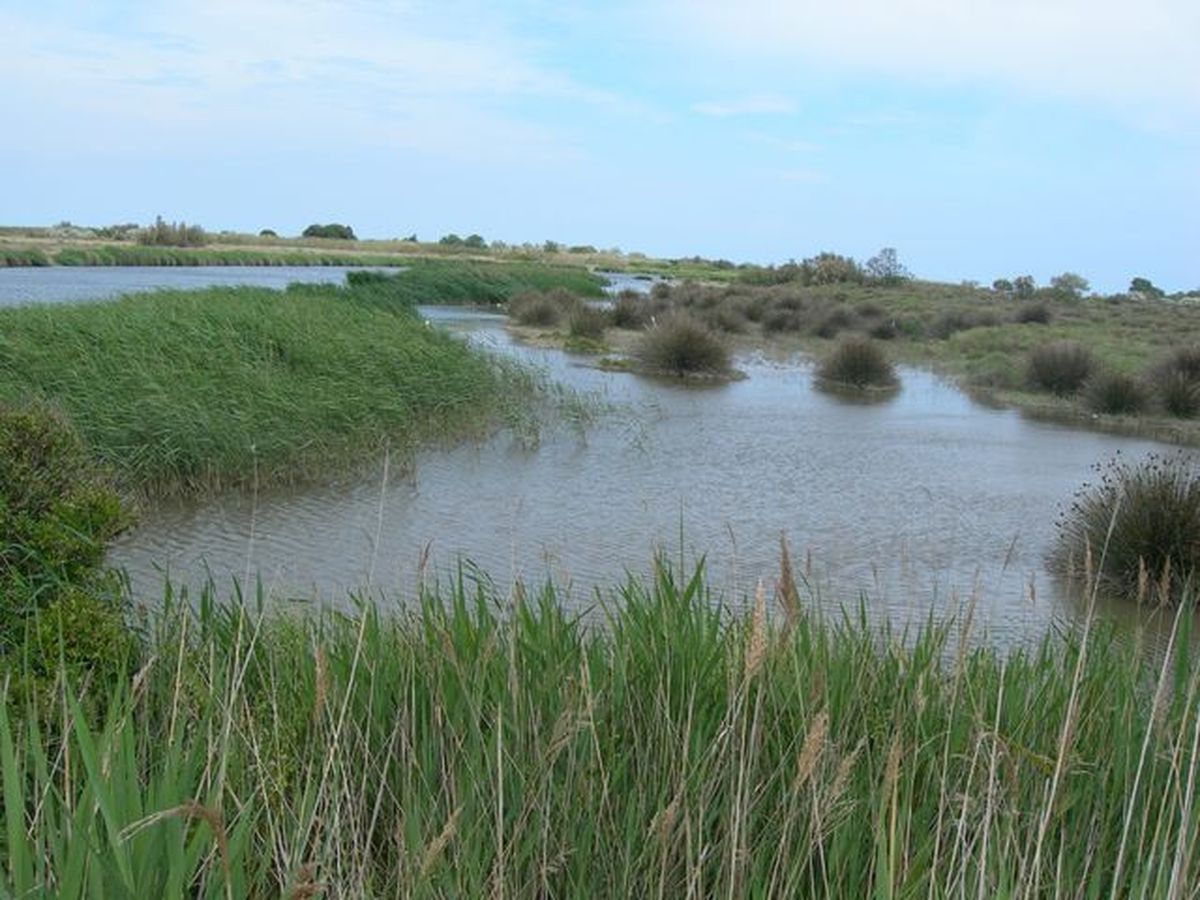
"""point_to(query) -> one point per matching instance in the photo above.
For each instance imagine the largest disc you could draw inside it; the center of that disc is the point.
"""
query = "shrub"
(174, 234)
(1060, 366)
(631, 310)
(333, 230)
(57, 517)
(952, 321)
(1137, 528)
(727, 318)
(859, 363)
(542, 309)
(1115, 393)
(1176, 381)
(680, 344)
(1033, 314)
(584, 321)
(832, 322)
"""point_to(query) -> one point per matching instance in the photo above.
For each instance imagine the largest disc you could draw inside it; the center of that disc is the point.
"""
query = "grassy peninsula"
(191, 391)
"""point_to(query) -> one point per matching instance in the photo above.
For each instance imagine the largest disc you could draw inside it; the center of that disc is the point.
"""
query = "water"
(918, 503)
(72, 284)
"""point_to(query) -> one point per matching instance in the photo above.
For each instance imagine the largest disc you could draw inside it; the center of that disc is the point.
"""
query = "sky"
(980, 138)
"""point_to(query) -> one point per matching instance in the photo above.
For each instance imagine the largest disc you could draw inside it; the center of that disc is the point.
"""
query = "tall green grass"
(186, 391)
(480, 745)
(21, 257)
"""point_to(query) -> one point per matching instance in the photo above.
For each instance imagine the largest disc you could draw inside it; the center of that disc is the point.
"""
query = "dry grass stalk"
(437, 846)
(810, 753)
(757, 639)
(306, 883)
(321, 676)
(211, 817)
(789, 597)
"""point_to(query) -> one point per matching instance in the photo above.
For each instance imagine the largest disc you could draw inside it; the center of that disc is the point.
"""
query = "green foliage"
(57, 517)
(192, 391)
(460, 751)
(1137, 529)
(859, 363)
(1024, 286)
(1069, 285)
(885, 267)
(1176, 382)
(1115, 393)
(679, 344)
(543, 309)
(19, 257)
(632, 310)
(1061, 367)
(1145, 287)
(333, 231)
(1033, 314)
(173, 234)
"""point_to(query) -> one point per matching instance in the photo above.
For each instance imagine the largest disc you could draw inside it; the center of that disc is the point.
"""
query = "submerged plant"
(1137, 528)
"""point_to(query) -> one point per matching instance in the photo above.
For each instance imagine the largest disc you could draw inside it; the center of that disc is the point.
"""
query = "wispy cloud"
(755, 105)
(1110, 52)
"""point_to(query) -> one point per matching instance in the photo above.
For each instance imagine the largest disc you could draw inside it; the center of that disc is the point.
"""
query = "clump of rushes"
(679, 344)
(1176, 381)
(1137, 529)
(1115, 394)
(542, 309)
(857, 363)
(1033, 314)
(1061, 367)
(632, 310)
(459, 751)
(586, 321)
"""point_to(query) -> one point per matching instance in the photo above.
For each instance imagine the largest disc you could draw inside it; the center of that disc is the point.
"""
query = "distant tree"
(1069, 285)
(451, 240)
(411, 239)
(551, 247)
(581, 248)
(1002, 286)
(333, 230)
(830, 268)
(172, 234)
(475, 242)
(267, 232)
(1024, 285)
(1145, 286)
(885, 267)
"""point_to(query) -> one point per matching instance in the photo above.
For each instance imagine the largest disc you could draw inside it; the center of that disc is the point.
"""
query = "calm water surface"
(72, 284)
(918, 503)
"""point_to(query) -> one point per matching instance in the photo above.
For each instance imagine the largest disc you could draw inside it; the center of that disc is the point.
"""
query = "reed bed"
(488, 745)
(195, 391)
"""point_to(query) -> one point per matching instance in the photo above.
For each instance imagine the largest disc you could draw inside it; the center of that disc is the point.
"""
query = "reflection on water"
(921, 503)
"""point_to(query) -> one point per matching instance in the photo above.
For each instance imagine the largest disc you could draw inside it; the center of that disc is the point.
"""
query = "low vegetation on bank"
(858, 364)
(481, 745)
(191, 391)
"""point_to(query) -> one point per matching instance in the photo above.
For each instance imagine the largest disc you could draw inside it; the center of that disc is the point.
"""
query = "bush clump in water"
(1061, 367)
(542, 309)
(859, 363)
(681, 345)
(1115, 394)
(1137, 530)
(587, 322)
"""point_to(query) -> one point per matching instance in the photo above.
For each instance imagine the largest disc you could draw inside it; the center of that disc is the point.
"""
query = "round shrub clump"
(1176, 382)
(1137, 529)
(543, 310)
(587, 322)
(1115, 394)
(681, 345)
(1061, 367)
(859, 363)
(57, 516)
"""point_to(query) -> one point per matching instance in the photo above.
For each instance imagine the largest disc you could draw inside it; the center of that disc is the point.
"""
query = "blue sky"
(981, 139)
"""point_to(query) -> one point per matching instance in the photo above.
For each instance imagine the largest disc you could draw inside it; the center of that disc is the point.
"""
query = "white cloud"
(755, 105)
(411, 75)
(1112, 52)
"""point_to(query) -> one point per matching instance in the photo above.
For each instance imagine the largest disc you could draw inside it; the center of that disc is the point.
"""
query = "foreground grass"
(187, 391)
(488, 746)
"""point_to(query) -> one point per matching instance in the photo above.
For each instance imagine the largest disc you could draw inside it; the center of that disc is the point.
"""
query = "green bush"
(1115, 393)
(679, 344)
(1061, 367)
(859, 363)
(1176, 382)
(1033, 314)
(1137, 528)
(57, 516)
(334, 231)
